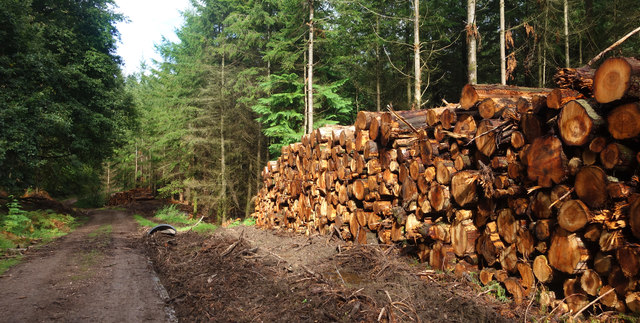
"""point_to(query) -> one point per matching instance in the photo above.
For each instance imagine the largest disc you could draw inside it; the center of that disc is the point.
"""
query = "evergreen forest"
(249, 76)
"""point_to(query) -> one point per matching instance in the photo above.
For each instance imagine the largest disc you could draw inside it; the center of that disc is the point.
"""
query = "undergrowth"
(20, 228)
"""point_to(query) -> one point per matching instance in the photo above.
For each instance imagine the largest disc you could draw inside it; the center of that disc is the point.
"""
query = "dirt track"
(243, 274)
(97, 273)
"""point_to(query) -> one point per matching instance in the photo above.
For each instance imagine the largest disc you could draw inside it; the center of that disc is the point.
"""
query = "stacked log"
(526, 185)
(126, 197)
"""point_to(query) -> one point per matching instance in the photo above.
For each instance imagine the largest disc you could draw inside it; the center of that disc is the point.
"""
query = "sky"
(149, 20)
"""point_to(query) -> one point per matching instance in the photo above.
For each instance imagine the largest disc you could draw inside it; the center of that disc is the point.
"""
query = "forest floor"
(241, 274)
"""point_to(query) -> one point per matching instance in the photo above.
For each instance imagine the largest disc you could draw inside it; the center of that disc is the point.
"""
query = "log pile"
(126, 197)
(525, 185)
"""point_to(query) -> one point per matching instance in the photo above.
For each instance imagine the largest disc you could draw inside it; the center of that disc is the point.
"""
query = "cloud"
(148, 21)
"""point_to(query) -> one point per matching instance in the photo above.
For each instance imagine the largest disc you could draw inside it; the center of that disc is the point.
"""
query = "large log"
(624, 121)
(463, 187)
(591, 186)
(577, 122)
(474, 93)
(616, 78)
(567, 252)
(546, 162)
(573, 215)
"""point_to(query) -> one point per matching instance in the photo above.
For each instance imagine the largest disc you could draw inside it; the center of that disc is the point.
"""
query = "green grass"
(171, 214)
(181, 221)
(246, 222)
(144, 222)
(5, 264)
(102, 231)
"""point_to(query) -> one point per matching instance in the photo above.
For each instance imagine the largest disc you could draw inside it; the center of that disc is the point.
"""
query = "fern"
(16, 221)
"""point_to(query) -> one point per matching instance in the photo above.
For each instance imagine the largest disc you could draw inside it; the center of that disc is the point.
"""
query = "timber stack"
(523, 185)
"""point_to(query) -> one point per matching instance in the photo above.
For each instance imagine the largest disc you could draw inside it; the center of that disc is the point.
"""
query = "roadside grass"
(183, 222)
(20, 229)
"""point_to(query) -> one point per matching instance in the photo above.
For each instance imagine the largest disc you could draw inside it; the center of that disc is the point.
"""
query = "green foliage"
(16, 221)
(496, 290)
(247, 222)
(171, 214)
(63, 107)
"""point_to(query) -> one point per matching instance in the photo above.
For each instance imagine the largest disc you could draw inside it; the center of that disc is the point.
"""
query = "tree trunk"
(503, 59)
(417, 70)
(472, 67)
(310, 73)
(566, 33)
(223, 162)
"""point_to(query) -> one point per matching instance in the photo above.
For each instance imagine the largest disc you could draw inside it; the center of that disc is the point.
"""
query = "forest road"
(97, 273)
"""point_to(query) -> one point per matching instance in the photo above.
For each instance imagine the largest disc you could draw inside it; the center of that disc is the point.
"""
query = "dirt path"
(98, 273)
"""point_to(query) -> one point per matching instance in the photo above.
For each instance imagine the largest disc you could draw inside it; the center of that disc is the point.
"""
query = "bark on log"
(474, 93)
(580, 79)
(559, 97)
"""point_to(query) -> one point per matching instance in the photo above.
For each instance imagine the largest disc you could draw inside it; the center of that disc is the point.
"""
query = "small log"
(439, 197)
(634, 218)
(577, 122)
(610, 299)
(617, 155)
(575, 297)
(546, 162)
(525, 242)
(527, 278)
(463, 187)
(629, 260)
(463, 237)
(507, 226)
(486, 136)
(616, 78)
(486, 275)
(489, 244)
(543, 229)
(492, 108)
(624, 121)
(573, 215)
(591, 186)
(542, 270)
(633, 301)
(509, 259)
(541, 205)
(590, 282)
(512, 285)
(597, 144)
(559, 97)
(567, 252)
